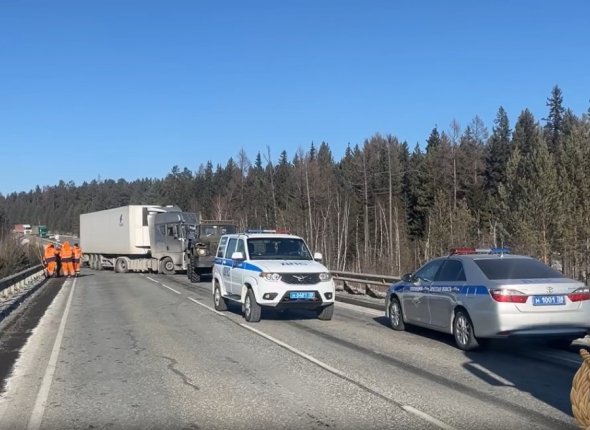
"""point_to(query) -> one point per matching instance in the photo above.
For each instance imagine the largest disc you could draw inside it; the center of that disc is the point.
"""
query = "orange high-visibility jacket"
(77, 252)
(66, 252)
(49, 254)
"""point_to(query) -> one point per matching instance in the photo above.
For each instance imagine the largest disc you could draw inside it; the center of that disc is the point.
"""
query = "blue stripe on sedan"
(464, 290)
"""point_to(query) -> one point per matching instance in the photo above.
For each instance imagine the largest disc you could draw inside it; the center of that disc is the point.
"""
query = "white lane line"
(163, 285)
(170, 288)
(490, 374)
(207, 307)
(41, 401)
(427, 417)
(407, 408)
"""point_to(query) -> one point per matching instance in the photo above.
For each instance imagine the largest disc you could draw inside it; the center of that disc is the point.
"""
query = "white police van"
(264, 269)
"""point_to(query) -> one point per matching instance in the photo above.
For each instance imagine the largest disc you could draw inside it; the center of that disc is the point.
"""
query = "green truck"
(202, 246)
(40, 230)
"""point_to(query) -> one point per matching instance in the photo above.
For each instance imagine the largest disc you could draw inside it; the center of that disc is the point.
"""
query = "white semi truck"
(137, 238)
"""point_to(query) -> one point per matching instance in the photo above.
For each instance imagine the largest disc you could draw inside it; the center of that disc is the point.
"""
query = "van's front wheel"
(252, 310)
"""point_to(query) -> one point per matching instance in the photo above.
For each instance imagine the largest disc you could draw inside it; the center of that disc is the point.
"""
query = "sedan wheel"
(395, 315)
(463, 331)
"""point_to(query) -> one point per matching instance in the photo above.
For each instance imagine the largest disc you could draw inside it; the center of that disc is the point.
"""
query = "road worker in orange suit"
(66, 255)
(50, 261)
(76, 258)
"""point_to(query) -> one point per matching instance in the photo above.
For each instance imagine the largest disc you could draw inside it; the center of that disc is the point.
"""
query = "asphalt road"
(148, 351)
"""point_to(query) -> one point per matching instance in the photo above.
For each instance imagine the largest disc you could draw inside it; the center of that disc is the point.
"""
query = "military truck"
(202, 246)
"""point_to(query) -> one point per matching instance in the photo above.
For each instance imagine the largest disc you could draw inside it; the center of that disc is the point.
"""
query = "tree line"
(383, 207)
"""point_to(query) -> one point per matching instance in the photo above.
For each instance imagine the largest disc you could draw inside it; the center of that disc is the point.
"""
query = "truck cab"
(202, 244)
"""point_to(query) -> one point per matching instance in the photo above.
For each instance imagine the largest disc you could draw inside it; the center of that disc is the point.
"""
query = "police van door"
(442, 298)
(228, 265)
(415, 300)
(237, 270)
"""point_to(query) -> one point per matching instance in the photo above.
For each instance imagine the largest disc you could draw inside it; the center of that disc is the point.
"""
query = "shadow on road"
(529, 366)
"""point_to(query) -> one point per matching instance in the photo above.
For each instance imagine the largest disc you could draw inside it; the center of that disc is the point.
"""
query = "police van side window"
(231, 247)
(241, 247)
(451, 271)
(221, 247)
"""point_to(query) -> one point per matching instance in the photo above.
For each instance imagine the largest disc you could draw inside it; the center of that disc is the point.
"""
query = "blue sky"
(128, 89)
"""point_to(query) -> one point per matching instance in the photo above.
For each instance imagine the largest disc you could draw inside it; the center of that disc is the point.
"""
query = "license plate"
(298, 295)
(548, 300)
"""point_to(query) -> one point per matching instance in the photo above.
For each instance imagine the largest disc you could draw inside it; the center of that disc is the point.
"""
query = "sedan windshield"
(516, 268)
(278, 249)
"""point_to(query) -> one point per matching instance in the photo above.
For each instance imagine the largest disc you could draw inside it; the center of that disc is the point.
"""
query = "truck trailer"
(137, 238)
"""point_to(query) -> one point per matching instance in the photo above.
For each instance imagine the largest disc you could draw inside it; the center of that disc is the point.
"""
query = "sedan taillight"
(580, 295)
(509, 296)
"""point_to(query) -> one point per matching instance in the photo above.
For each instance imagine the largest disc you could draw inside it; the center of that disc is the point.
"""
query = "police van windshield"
(516, 268)
(278, 249)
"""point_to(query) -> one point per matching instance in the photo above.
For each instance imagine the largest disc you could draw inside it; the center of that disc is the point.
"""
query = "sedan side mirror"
(408, 277)
(317, 256)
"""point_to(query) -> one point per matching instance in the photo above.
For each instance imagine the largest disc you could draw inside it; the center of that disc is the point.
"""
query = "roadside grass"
(17, 253)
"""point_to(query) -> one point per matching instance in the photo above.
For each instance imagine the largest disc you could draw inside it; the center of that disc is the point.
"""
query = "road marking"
(208, 307)
(340, 374)
(40, 403)
(163, 285)
(170, 288)
(427, 417)
(490, 374)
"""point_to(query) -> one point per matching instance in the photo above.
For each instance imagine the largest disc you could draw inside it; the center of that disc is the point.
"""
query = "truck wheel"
(189, 268)
(121, 265)
(193, 275)
(219, 300)
(325, 313)
(97, 262)
(252, 310)
(167, 266)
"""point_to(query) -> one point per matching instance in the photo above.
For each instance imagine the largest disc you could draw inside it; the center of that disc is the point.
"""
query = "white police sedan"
(476, 294)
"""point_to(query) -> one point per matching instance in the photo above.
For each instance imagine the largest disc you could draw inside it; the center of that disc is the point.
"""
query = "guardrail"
(362, 283)
(14, 283)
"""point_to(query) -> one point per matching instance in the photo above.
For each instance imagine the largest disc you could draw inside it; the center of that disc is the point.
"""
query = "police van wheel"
(252, 310)
(218, 300)
(463, 331)
(325, 313)
(396, 319)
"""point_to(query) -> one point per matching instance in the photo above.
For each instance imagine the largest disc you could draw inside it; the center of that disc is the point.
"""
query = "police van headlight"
(269, 276)
(325, 276)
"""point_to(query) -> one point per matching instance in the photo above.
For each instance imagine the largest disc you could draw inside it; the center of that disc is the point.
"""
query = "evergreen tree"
(554, 121)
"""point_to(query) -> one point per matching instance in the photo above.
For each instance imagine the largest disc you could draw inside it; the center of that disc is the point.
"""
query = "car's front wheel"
(252, 310)
(463, 331)
(396, 319)
(219, 300)
(325, 313)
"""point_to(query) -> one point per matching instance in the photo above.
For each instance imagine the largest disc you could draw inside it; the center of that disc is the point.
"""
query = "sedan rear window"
(516, 268)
